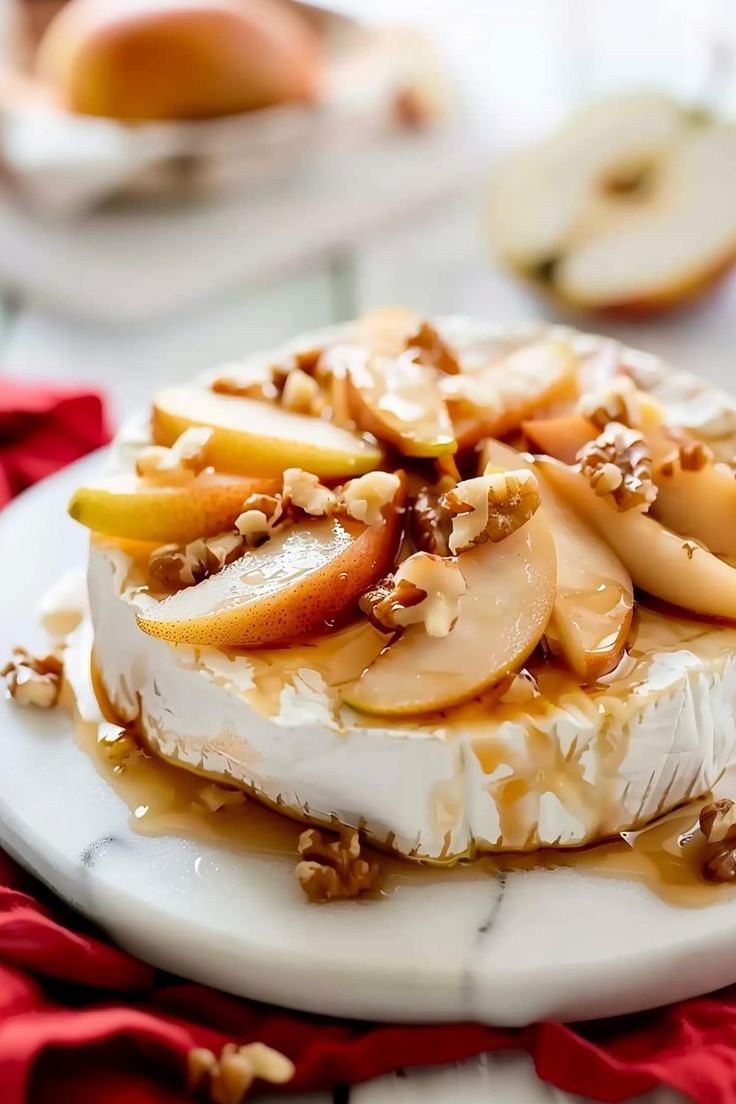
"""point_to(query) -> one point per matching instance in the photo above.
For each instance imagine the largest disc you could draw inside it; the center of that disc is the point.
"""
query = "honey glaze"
(166, 800)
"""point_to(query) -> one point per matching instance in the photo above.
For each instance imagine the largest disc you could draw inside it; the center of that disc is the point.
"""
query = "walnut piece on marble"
(33, 680)
(179, 464)
(425, 589)
(490, 507)
(176, 566)
(228, 1079)
(331, 869)
(618, 466)
(718, 825)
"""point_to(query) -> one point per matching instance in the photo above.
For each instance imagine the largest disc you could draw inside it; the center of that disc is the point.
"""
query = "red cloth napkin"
(43, 428)
(82, 1022)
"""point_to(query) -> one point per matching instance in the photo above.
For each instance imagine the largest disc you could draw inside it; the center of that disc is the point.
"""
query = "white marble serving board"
(507, 950)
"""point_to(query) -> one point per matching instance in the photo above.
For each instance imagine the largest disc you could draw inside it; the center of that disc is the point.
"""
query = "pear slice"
(495, 400)
(398, 399)
(255, 438)
(700, 504)
(501, 618)
(595, 596)
(301, 581)
(658, 560)
(129, 508)
(560, 437)
(630, 207)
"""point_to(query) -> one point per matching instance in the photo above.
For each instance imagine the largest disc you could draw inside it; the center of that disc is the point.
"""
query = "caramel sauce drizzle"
(164, 800)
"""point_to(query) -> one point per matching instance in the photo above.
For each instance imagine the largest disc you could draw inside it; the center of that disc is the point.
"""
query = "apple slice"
(501, 618)
(698, 503)
(495, 400)
(398, 399)
(628, 208)
(301, 581)
(127, 507)
(658, 560)
(595, 596)
(253, 438)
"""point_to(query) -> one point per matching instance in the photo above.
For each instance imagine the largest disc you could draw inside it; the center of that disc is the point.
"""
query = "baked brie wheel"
(468, 589)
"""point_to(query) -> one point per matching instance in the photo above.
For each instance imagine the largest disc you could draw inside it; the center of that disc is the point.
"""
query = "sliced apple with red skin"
(256, 438)
(595, 596)
(698, 504)
(303, 579)
(659, 561)
(398, 399)
(127, 507)
(501, 618)
(495, 400)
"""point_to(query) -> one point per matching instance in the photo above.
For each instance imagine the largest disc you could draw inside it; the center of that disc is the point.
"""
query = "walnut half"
(424, 589)
(618, 466)
(331, 869)
(33, 680)
(490, 507)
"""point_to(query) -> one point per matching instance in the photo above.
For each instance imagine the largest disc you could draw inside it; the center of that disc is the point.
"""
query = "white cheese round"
(562, 770)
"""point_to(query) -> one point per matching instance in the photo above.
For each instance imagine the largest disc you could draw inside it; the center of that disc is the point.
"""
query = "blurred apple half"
(628, 209)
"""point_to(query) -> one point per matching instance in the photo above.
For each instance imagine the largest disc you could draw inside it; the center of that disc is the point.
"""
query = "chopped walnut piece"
(175, 566)
(429, 523)
(366, 497)
(120, 746)
(33, 680)
(718, 825)
(228, 1079)
(178, 464)
(425, 589)
(432, 349)
(616, 402)
(302, 394)
(304, 490)
(519, 688)
(618, 465)
(246, 381)
(333, 868)
(691, 456)
(490, 507)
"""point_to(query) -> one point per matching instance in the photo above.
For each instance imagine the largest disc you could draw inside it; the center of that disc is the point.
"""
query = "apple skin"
(138, 60)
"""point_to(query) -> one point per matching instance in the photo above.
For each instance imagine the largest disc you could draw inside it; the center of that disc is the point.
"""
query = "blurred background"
(376, 153)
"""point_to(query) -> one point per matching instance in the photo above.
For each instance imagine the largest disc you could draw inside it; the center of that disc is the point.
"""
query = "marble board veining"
(508, 949)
